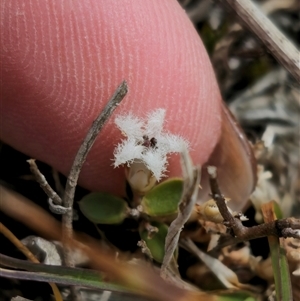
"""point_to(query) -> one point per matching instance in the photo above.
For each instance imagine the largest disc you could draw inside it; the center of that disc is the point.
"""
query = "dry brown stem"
(40, 178)
(274, 228)
(81, 157)
(68, 198)
(277, 44)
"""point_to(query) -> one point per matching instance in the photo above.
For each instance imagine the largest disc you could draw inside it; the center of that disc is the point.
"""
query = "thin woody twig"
(81, 157)
(68, 199)
(227, 239)
(278, 45)
(54, 200)
(40, 178)
(57, 209)
(275, 228)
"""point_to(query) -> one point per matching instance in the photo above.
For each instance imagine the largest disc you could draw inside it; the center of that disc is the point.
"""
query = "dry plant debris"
(265, 99)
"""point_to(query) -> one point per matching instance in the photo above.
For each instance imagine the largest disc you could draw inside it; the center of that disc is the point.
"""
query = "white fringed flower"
(146, 142)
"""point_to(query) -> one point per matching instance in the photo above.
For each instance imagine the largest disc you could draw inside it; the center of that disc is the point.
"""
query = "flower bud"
(209, 211)
(139, 177)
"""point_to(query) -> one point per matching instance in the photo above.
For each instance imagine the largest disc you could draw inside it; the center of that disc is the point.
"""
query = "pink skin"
(62, 60)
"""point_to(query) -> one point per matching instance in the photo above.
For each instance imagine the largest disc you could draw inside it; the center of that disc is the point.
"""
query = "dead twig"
(189, 197)
(54, 200)
(278, 45)
(81, 157)
(40, 178)
(68, 198)
(275, 228)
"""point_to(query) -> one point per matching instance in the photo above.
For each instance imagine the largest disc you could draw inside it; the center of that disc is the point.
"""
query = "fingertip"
(62, 64)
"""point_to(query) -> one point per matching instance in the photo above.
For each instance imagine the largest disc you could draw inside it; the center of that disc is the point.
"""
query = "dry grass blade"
(280, 47)
(9, 235)
(188, 199)
(139, 278)
(278, 256)
(22, 209)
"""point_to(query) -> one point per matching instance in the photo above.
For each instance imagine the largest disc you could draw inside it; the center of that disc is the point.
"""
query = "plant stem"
(276, 228)
(276, 42)
(80, 158)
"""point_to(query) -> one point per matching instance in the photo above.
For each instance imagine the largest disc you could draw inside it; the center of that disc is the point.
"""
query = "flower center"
(149, 142)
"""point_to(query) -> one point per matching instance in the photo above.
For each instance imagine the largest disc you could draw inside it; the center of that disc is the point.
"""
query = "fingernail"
(234, 158)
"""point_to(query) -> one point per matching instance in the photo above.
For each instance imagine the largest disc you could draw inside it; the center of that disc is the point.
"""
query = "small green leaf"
(280, 265)
(277, 210)
(278, 255)
(156, 243)
(281, 270)
(163, 199)
(103, 208)
(237, 296)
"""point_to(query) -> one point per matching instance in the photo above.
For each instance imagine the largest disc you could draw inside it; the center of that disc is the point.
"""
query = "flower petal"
(130, 125)
(154, 124)
(168, 143)
(155, 162)
(127, 151)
